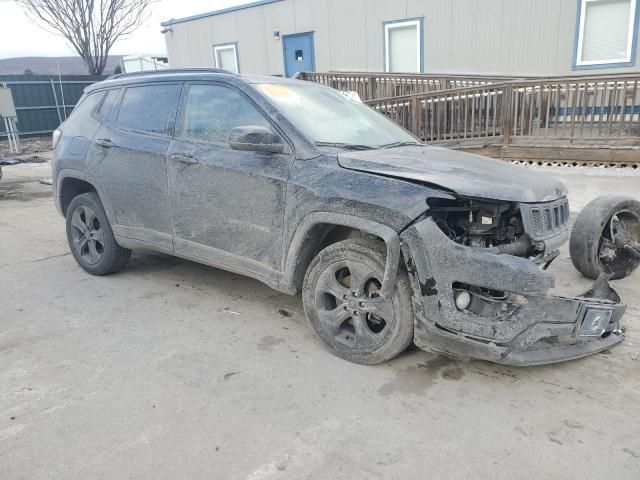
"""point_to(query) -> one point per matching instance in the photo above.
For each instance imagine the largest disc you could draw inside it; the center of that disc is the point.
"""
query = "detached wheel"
(90, 237)
(606, 237)
(341, 300)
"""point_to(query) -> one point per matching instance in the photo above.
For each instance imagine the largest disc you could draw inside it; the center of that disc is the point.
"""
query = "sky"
(20, 37)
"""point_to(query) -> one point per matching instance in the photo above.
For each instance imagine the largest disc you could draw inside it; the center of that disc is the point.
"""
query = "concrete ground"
(172, 370)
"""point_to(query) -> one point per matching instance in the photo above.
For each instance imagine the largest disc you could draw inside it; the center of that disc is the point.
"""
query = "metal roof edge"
(258, 3)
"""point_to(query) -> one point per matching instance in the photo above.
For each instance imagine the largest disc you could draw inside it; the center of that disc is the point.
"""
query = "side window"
(107, 104)
(86, 105)
(212, 111)
(148, 108)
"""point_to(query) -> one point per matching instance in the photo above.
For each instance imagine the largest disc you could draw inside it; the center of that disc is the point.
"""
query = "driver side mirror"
(255, 138)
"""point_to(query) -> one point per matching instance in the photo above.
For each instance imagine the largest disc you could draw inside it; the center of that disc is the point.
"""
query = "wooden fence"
(570, 109)
(371, 86)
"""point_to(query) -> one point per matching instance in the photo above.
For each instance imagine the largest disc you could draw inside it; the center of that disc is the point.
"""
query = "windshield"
(328, 117)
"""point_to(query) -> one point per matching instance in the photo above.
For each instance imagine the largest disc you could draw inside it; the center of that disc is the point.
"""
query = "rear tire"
(91, 238)
(340, 295)
(591, 245)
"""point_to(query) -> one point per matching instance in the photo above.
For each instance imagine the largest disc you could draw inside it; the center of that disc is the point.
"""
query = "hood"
(463, 173)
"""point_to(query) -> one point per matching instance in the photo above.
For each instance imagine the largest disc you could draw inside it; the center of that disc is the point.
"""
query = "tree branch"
(90, 26)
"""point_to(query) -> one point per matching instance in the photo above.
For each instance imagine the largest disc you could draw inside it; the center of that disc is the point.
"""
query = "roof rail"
(169, 70)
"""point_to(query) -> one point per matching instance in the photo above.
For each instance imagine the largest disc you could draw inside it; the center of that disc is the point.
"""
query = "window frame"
(171, 122)
(182, 110)
(226, 46)
(628, 61)
(390, 25)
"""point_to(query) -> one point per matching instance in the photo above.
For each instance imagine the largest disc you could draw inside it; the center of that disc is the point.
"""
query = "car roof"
(186, 74)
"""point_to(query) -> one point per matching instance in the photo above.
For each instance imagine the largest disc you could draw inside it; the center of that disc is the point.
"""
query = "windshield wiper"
(400, 144)
(346, 146)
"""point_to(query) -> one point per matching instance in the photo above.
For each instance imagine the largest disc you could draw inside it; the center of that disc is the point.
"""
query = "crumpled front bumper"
(542, 329)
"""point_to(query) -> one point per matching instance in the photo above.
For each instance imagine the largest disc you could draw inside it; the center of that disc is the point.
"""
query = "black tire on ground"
(91, 238)
(591, 244)
(340, 285)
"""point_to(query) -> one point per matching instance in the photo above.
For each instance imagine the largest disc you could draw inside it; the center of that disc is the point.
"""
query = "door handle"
(105, 142)
(185, 158)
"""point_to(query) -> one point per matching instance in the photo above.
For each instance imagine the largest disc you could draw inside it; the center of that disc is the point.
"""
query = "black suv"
(304, 188)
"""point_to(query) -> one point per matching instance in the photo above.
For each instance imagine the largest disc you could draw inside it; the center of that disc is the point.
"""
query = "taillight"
(57, 133)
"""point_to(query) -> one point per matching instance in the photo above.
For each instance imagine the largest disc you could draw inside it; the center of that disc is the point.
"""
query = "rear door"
(227, 205)
(131, 162)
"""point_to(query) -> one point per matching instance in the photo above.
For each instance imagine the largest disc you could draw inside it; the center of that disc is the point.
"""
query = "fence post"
(415, 116)
(55, 98)
(544, 103)
(507, 110)
(372, 87)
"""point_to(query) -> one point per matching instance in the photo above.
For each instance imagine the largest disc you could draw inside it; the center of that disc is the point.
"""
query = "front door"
(298, 53)
(227, 205)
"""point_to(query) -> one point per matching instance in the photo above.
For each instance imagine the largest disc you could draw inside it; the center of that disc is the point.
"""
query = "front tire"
(341, 300)
(91, 238)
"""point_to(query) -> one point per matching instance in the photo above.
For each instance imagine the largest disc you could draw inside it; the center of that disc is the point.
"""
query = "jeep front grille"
(545, 220)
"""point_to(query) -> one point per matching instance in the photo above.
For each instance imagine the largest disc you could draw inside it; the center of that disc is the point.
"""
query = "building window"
(403, 46)
(606, 33)
(226, 57)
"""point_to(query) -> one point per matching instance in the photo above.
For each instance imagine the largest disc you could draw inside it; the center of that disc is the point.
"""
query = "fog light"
(463, 299)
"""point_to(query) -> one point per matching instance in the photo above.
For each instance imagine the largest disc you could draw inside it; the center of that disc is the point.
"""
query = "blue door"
(298, 53)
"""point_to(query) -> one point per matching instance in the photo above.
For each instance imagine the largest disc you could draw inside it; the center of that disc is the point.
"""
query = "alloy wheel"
(87, 235)
(350, 308)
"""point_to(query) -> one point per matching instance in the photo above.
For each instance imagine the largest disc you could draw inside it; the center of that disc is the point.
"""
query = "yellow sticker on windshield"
(273, 90)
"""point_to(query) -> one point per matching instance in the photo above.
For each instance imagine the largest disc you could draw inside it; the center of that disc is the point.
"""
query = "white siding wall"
(311, 16)
(437, 32)
(506, 37)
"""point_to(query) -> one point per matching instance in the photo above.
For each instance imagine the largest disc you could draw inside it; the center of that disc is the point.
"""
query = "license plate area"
(595, 321)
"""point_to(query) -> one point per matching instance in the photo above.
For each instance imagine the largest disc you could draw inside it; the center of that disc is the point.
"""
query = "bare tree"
(91, 26)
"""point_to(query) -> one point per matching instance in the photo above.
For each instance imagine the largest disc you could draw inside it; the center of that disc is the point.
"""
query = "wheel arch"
(321, 229)
(70, 187)
(70, 183)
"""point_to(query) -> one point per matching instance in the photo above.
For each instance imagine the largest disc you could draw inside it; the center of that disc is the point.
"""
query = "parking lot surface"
(171, 370)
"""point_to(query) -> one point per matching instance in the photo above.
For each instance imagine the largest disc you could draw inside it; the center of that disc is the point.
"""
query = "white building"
(495, 37)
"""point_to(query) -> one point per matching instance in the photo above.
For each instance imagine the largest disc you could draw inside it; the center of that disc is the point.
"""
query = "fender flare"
(69, 173)
(65, 173)
(390, 237)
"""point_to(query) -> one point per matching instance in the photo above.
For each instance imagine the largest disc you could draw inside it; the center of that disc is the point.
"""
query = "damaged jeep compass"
(388, 240)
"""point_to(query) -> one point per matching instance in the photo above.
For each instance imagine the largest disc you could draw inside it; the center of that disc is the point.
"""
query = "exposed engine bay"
(497, 227)
(483, 224)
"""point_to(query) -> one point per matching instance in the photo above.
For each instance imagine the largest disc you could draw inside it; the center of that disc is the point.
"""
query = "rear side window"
(107, 104)
(148, 108)
(212, 111)
(86, 105)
